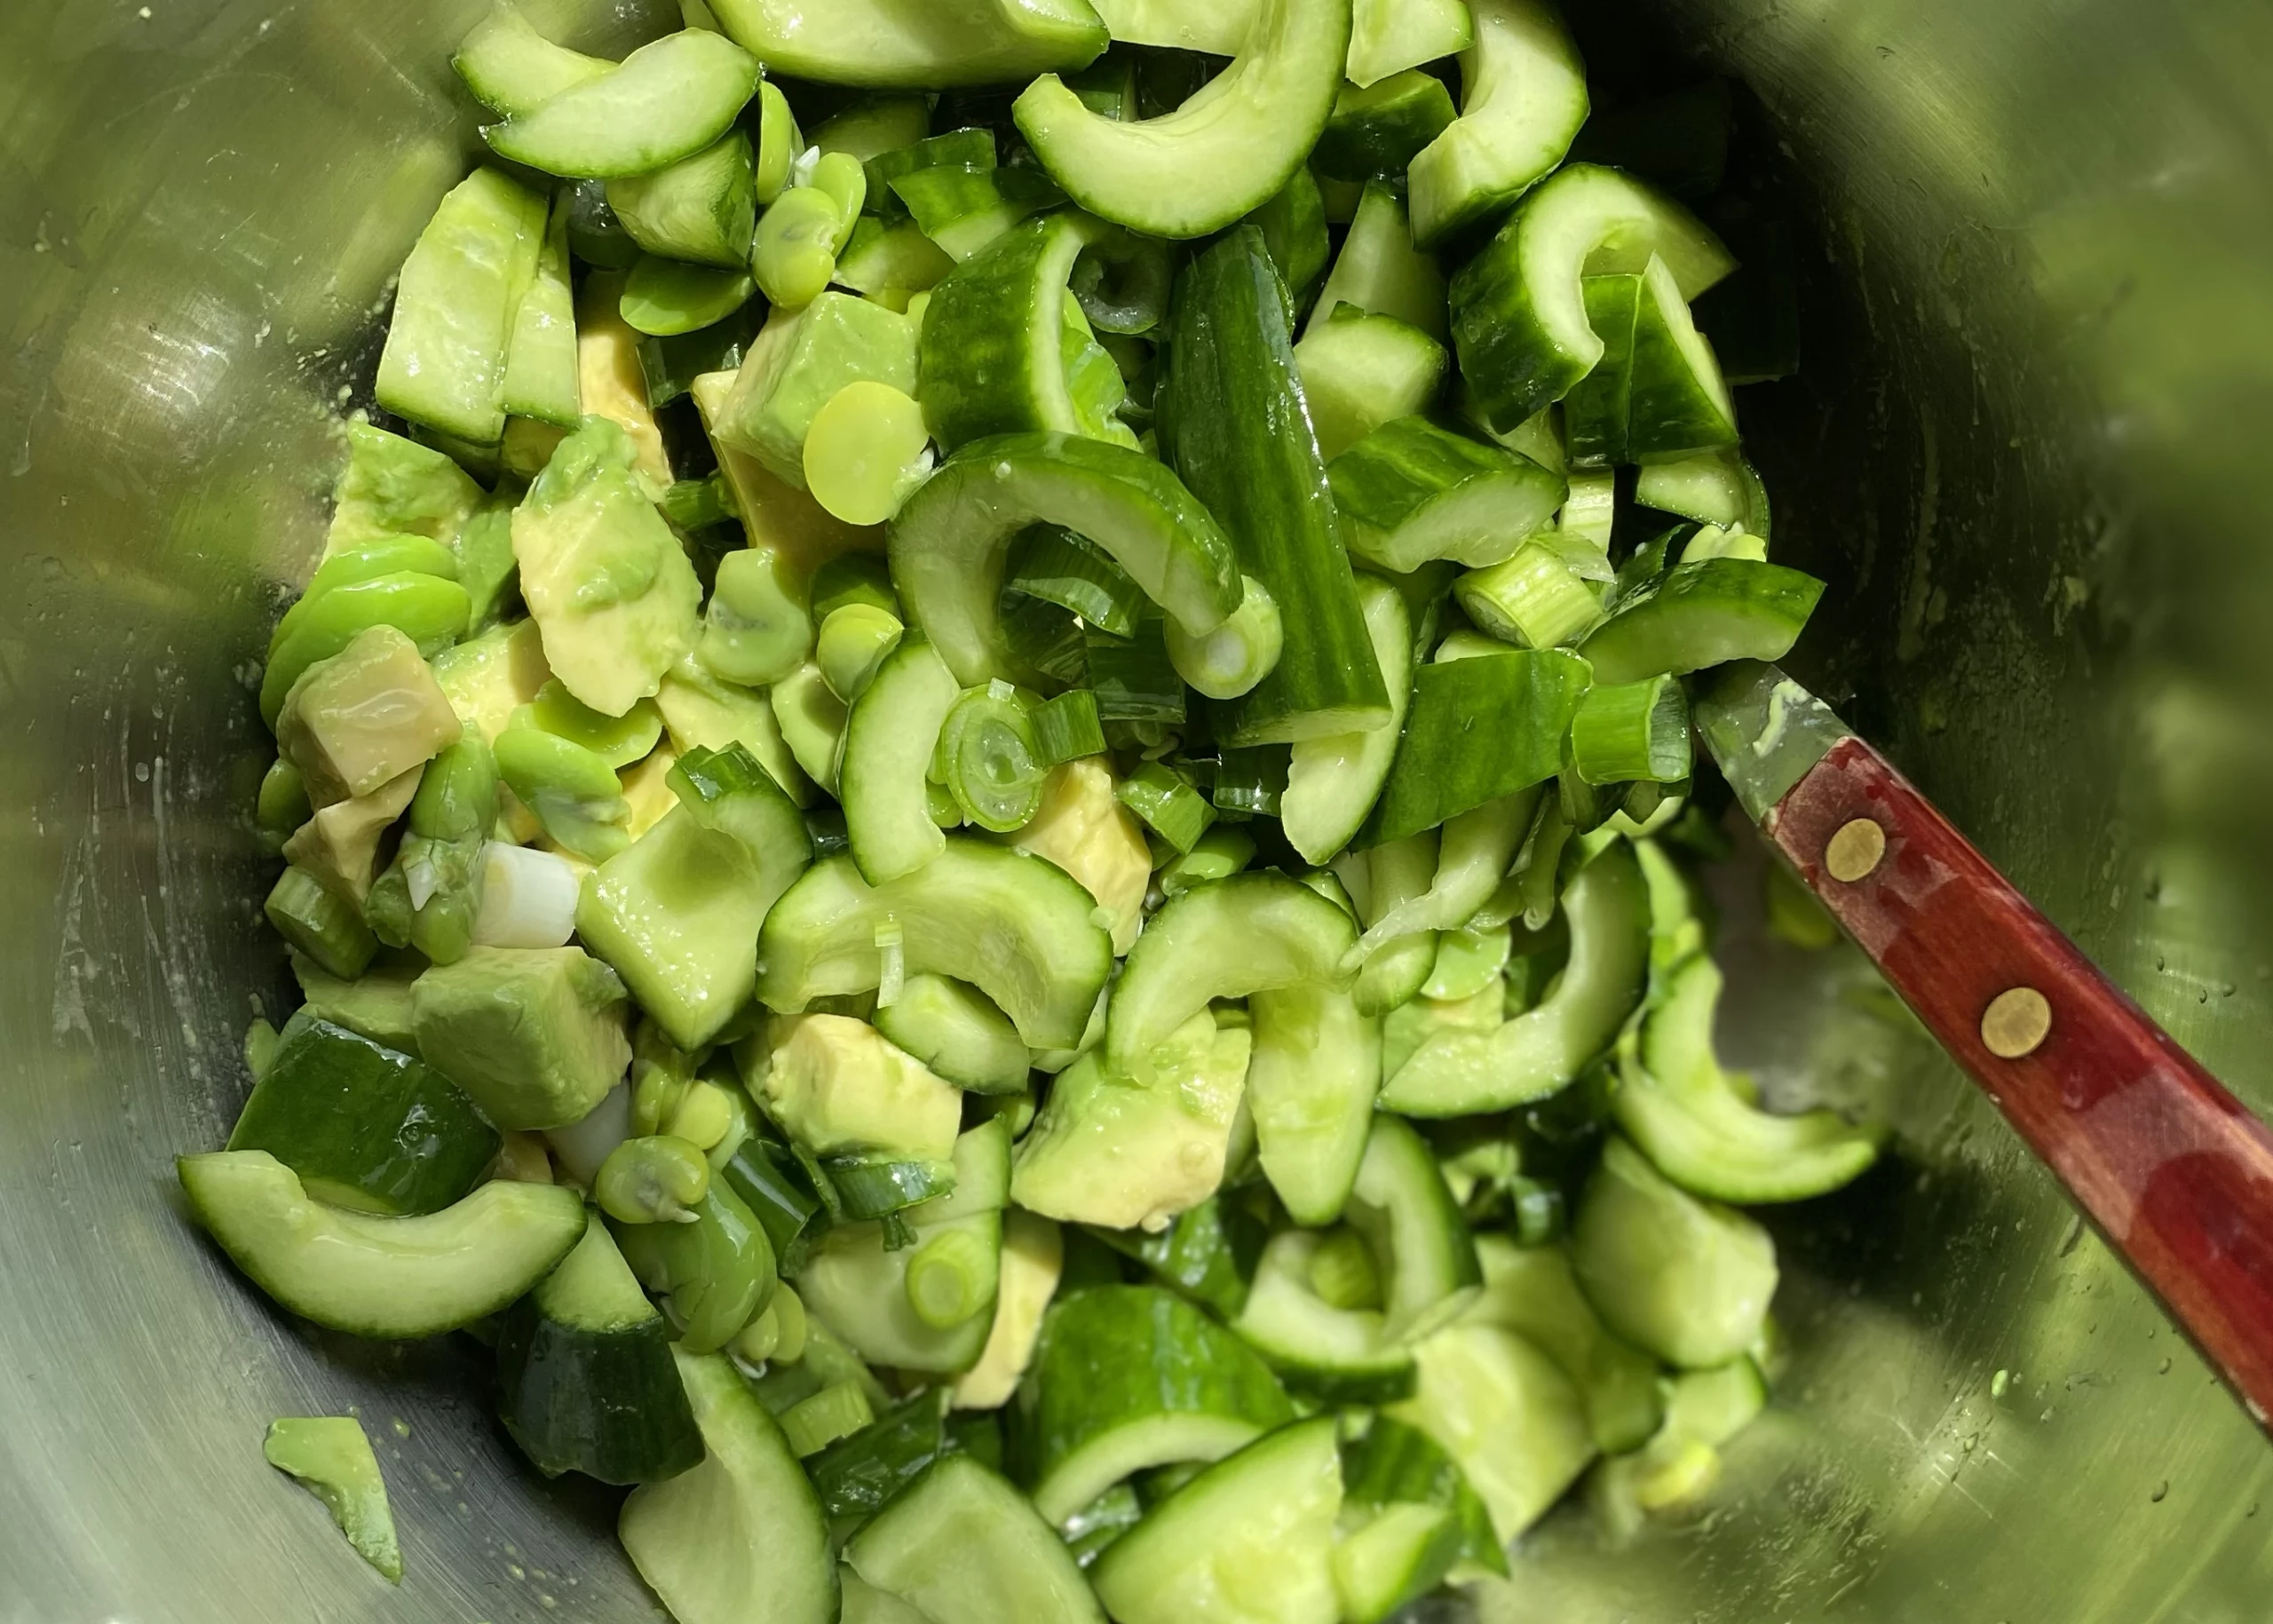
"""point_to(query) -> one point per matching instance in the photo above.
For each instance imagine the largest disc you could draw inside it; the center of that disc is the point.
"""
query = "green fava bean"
(717, 1272)
(573, 793)
(757, 630)
(853, 643)
(778, 142)
(665, 298)
(458, 796)
(618, 740)
(845, 179)
(428, 610)
(283, 805)
(795, 252)
(657, 1179)
(385, 555)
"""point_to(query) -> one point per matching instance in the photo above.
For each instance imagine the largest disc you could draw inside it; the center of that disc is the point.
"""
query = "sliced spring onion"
(1240, 653)
(529, 898)
(1633, 730)
(321, 924)
(990, 760)
(950, 1277)
(1133, 677)
(1532, 600)
(837, 1410)
(1053, 564)
(1218, 854)
(1166, 803)
(865, 450)
(1067, 727)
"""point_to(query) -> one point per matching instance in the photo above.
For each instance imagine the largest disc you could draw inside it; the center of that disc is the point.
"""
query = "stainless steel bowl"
(2032, 448)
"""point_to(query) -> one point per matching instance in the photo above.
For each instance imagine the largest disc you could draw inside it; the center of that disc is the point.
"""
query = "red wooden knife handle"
(2175, 1172)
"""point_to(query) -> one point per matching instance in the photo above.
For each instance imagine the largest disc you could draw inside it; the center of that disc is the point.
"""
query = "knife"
(2172, 1168)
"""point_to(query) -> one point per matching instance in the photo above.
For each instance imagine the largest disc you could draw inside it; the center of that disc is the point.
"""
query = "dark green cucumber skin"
(1112, 1354)
(1293, 234)
(1232, 422)
(791, 1214)
(970, 150)
(1370, 138)
(335, 1106)
(1208, 1254)
(1397, 1464)
(855, 1475)
(1396, 470)
(607, 1404)
(1473, 735)
(1597, 411)
(978, 331)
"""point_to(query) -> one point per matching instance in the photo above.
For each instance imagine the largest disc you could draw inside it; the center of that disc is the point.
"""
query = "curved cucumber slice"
(1218, 28)
(958, 1034)
(1251, 1538)
(1700, 614)
(1688, 1281)
(1395, 1464)
(1227, 149)
(1510, 1420)
(1131, 1377)
(1422, 1250)
(1410, 492)
(380, 1277)
(1681, 1108)
(515, 70)
(1017, 927)
(1533, 1292)
(1524, 96)
(889, 740)
(1377, 130)
(740, 1539)
(994, 345)
(1456, 1072)
(1339, 1354)
(964, 1548)
(951, 541)
(916, 44)
(1332, 782)
(1400, 1554)
(1678, 403)
(665, 102)
(1380, 271)
(1226, 938)
(1310, 1084)
(1519, 312)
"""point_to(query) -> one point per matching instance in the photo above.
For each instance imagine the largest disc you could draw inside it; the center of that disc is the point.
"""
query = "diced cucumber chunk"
(1534, 1292)
(1380, 270)
(1400, 1554)
(1332, 782)
(1506, 1414)
(703, 207)
(1411, 492)
(514, 68)
(1524, 699)
(963, 1546)
(1337, 1354)
(1310, 1085)
(916, 44)
(958, 1032)
(666, 101)
(1702, 614)
(1361, 371)
(1388, 36)
(541, 378)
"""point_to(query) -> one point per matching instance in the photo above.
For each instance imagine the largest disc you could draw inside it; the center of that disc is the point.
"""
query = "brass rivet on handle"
(1855, 850)
(2016, 1021)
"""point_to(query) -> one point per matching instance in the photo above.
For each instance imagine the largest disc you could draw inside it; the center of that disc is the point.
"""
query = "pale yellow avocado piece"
(332, 1458)
(1131, 1155)
(487, 679)
(1084, 829)
(364, 718)
(705, 712)
(608, 376)
(837, 1084)
(774, 512)
(648, 789)
(340, 845)
(397, 487)
(610, 587)
(1034, 1256)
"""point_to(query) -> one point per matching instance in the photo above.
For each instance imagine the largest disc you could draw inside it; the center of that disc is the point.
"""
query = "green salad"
(987, 798)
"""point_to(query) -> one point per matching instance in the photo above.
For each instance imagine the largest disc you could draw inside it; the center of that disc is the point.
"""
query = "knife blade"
(1765, 732)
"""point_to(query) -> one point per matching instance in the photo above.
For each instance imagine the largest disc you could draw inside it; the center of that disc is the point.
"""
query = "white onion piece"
(582, 1146)
(529, 898)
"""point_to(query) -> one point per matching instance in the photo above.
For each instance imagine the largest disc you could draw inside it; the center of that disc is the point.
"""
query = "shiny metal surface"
(1763, 731)
(2028, 449)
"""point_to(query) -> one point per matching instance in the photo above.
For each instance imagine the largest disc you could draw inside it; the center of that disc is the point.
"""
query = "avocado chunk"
(487, 678)
(377, 1004)
(534, 1036)
(397, 487)
(834, 1085)
(1034, 1258)
(370, 713)
(610, 587)
(1111, 1151)
(1082, 828)
(797, 367)
(333, 1461)
(340, 845)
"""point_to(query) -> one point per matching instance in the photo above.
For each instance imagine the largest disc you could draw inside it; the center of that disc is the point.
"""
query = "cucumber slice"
(702, 209)
(739, 1539)
(1293, 223)
(1510, 1420)
(950, 542)
(363, 1125)
(1691, 1119)
(1332, 782)
(1127, 1377)
(515, 70)
(444, 361)
(1598, 412)
(1017, 927)
(1384, 880)
(1231, 421)
(666, 101)
(1375, 131)
(1381, 272)
(1227, 939)
(1461, 1072)
(395, 1277)
(1310, 1086)
(1399, 1555)
(1390, 1463)
(541, 378)
(1388, 36)
(954, 1030)
(892, 262)
(1533, 1292)
(916, 44)
(1522, 699)
(995, 345)
(955, 149)
(1689, 1281)
(1338, 1354)
(1217, 28)
(1411, 492)
(1226, 150)
(1700, 614)
(1712, 487)
(863, 1604)
(1360, 371)
(1422, 1251)
(963, 1546)
(889, 740)
(1681, 403)
(1523, 97)
(585, 1376)
(1248, 1540)
(964, 209)
(1472, 857)
(1519, 317)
